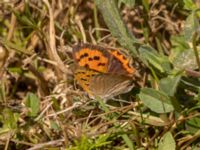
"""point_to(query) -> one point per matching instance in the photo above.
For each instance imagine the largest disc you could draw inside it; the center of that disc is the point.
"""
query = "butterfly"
(101, 71)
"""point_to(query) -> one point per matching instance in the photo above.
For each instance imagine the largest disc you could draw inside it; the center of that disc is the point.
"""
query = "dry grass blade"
(42, 106)
(52, 43)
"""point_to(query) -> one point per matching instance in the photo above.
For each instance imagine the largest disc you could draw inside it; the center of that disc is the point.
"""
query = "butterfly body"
(102, 72)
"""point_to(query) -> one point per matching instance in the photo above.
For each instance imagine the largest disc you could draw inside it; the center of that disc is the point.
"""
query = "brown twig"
(192, 73)
(51, 44)
(43, 145)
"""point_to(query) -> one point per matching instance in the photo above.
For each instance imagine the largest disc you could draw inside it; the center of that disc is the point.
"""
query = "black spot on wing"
(83, 79)
(84, 55)
(90, 59)
(86, 65)
(96, 57)
(118, 53)
(101, 64)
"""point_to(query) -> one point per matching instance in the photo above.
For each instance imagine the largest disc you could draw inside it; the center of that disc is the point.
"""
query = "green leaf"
(101, 141)
(181, 49)
(193, 124)
(128, 141)
(55, 126)
(180, 62)
(180, 52)
(33, 103)
(26, 18)
(85, 143)
(167, 142)
(191, 26)
(150, 56)
(15, 70)
(189, 5)
(179, 43)
(116, 25)
(16, 46)
(9, 119)
(157, 101)
(146, 5)
(169, 85)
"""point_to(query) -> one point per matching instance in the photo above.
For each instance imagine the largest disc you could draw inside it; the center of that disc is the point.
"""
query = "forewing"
(120, 64)
(84, 76)
(91, 57)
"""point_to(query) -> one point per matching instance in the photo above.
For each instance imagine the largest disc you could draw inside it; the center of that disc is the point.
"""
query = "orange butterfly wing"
(101, 71)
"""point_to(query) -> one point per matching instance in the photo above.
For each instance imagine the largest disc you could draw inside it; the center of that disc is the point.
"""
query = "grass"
(43, 108)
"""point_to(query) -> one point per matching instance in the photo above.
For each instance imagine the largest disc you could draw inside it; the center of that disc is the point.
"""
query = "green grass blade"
(116, 25)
